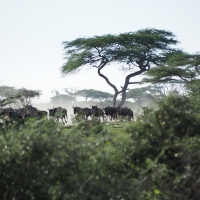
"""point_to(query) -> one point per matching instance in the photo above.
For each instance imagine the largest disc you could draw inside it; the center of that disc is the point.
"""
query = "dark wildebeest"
(89, 112)
(30, 109)
(98, 112)
(14, 115)
(77, 110)
(125, 112)
(42, 114)
(4, 112)
(86, 112)
(32, 112)
(112, 112)
(59, 113)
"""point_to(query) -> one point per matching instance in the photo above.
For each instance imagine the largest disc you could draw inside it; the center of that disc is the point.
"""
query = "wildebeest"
(86, 112)
(77, 109)
(89, 112)
(112, 112)
(12, 115)
(125, 112)
(32, 112)
(42, 114)
(98, 112)
(21, 114)
(30, 109)
(59, 113)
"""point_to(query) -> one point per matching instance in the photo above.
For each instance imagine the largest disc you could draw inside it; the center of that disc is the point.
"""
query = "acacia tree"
(137, 51)
(144, 94)
(26, 95)
(167, 88)
(93, 94)
(62, 98)
(7, 95)
(18, 97)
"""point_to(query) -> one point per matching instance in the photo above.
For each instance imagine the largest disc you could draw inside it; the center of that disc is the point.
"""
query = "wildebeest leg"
(57, 119)
(105, 117)
(66, 117)
(86, 117)
(113, 117)
(62, 119)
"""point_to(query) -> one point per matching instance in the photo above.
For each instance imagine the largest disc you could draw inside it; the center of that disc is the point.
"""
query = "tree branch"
(134, 82)
(103, 63)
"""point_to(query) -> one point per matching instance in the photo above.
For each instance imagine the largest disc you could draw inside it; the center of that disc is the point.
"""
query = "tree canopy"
(137, 51)
(144, 95)
(93, 94)
(62, 98)
(18, 97)
(181, 67)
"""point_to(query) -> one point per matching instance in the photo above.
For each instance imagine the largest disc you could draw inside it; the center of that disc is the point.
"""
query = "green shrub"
(166, 150)
(25, 160)
(43, 160)
(156, 157)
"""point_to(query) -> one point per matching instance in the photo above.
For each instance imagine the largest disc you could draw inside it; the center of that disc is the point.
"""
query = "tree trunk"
(123, 91)
(123, 99)
(115, 99)
(127, 82)
(108, 82)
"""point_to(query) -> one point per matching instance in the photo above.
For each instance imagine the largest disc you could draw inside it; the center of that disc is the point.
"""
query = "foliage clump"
(153, 158)
(166, 149)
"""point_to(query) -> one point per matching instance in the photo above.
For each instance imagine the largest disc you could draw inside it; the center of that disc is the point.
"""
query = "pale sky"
(32, 32)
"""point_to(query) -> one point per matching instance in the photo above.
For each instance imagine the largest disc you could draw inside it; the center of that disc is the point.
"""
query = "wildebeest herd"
(59, 113)
(108, 112)
(22, 113)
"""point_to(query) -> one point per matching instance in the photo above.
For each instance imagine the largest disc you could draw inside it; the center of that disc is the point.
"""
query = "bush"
(43, 160)
(166, 150)
(26, 160)
(156, 157)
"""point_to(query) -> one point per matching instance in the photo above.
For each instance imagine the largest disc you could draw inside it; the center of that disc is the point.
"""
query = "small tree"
(93, 94)
(165, 89)
(144, 94)
(70, 91)
(6, 91)
(62, 98)
(137, 51)
(25, 96)
(17, 97)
